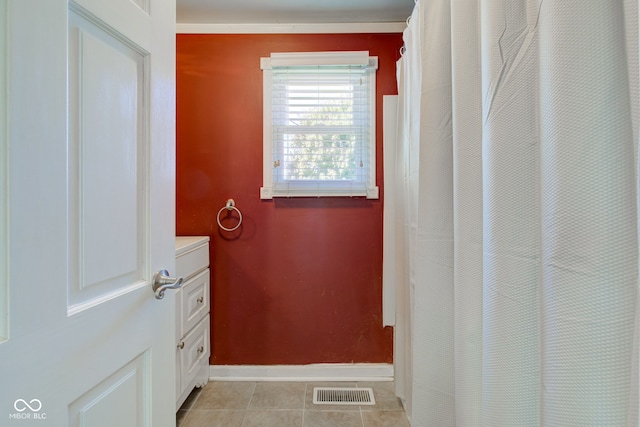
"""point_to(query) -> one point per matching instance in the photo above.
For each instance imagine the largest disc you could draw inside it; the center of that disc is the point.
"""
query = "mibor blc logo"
(28, 410)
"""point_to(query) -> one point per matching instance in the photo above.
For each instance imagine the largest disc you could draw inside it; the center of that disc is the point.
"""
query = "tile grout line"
(253, 393)
(246, 410)
(189, 410)
(304, 404)
(304, 397)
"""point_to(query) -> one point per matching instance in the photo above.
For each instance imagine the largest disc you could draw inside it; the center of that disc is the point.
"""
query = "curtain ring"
(230, 206)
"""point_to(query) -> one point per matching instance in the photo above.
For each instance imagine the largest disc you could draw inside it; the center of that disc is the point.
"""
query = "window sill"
(267, 193)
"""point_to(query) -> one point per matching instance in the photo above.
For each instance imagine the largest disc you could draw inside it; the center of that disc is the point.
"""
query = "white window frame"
(314, 188)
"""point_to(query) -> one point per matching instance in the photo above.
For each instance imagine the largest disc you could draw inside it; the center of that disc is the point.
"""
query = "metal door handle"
(162, 282)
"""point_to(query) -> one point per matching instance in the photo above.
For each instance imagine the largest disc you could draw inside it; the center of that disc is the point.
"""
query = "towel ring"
(230, 206)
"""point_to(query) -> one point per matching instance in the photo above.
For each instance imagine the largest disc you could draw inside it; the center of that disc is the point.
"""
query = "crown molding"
(306, 28)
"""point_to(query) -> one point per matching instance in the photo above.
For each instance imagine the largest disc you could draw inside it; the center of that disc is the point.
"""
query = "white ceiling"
(292, 11)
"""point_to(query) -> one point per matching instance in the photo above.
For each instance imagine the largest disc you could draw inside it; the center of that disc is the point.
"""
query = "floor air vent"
(343, 396)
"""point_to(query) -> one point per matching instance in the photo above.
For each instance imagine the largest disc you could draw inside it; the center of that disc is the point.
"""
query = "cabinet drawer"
(194, 301)
(192, 259)
(195, 352)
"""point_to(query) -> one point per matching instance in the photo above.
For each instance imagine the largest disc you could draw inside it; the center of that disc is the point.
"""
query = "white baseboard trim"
(305, 373)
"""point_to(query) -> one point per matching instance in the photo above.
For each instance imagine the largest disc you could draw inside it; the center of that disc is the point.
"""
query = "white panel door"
(87, 157)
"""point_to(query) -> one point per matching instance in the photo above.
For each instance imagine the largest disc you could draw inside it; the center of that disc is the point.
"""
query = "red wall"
(301, 281)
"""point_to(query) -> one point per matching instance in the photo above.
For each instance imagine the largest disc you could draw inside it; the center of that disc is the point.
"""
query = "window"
(319, 125)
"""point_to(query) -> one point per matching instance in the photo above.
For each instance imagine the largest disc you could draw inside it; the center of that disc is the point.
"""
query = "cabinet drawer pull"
(181, 345)
(200, 300)
(201, 349)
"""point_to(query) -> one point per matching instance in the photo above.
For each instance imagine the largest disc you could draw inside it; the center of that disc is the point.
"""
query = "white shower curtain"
(516, 213)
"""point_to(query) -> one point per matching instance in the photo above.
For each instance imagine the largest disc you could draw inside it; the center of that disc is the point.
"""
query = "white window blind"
(319, 136)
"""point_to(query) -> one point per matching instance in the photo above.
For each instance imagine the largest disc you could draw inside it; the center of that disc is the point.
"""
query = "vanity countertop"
(186, 243)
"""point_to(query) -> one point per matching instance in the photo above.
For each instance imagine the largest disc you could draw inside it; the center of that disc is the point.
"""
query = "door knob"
(162, 282)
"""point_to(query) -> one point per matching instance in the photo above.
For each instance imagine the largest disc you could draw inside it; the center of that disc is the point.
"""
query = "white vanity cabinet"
(192, 315)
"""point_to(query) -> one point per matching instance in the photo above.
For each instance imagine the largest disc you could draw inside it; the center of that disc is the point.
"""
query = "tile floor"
(282, 404)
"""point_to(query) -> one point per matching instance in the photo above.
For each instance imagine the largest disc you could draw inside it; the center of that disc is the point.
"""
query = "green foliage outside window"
(320, 144)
